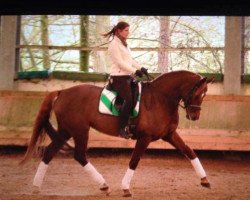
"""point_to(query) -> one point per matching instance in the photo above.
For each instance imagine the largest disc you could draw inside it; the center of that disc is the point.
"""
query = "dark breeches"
(122, 85)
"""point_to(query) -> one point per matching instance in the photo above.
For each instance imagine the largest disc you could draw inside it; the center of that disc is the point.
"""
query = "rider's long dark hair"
(120, 25)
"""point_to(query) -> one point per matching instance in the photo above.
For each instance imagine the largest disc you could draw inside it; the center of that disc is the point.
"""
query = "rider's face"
(124, 32)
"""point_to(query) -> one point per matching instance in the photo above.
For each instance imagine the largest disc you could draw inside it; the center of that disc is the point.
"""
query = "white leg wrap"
(41, 170)
(198, 168)
(127, 178)
(94, 174)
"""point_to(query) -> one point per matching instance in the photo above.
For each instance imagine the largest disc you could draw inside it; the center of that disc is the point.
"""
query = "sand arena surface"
(161, 174)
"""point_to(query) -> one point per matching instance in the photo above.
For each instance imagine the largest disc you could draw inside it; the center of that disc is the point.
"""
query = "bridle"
(187, 99)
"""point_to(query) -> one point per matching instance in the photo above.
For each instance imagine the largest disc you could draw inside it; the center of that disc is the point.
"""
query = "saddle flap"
(111, 102)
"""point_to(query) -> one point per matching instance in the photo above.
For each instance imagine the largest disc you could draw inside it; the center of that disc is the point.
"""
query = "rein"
(149, 77)
(151, 99)
(187, 99)
(189, 96)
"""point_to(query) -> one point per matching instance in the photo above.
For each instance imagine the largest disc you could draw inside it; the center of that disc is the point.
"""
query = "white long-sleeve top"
(120, 57)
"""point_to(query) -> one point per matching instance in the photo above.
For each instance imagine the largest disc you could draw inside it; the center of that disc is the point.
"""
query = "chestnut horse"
(76, 110)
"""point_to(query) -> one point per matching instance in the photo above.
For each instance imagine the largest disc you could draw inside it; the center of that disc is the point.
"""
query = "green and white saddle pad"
(107, 100)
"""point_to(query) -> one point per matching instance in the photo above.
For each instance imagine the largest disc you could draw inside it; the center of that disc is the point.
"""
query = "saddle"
(111, 103)
(118, 101)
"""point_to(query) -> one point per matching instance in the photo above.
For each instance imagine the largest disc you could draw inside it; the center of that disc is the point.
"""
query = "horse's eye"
(203, 94)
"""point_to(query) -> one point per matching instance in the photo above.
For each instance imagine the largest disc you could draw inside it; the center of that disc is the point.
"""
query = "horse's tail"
(39, 129)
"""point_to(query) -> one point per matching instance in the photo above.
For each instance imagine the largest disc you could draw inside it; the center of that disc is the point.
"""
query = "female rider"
(122, 67)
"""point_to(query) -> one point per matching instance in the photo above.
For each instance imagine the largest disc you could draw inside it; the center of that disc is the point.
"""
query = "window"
(160, 43)
(247, 46)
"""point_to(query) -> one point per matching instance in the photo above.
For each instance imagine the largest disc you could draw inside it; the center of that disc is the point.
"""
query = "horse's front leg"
(140, 147)
(179, 144)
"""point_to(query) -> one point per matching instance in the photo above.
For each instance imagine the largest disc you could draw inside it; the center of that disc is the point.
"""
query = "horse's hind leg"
(81, 141)
(49, 153)
(179, 144)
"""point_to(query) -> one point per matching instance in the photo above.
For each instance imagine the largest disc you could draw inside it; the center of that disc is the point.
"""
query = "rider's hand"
(138, 73)
(144, 71)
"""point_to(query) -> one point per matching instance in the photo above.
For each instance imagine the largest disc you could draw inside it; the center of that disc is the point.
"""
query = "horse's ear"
(210, 80)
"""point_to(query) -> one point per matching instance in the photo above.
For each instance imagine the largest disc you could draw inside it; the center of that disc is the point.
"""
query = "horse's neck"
(167, 86)
(173, 85)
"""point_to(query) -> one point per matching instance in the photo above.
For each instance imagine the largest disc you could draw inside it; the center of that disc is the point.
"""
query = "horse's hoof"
(35, 190)
(127, 193)
(105, 188)
(106, 191)
(205, 183)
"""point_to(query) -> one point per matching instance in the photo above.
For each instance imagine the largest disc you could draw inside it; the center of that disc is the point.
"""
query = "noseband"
(187, 99)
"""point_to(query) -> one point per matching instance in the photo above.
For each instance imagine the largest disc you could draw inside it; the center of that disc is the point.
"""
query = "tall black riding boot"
(124, 117)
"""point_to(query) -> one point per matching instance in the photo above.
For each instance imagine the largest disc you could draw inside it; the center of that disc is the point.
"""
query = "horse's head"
(185, 86)
(194, 97)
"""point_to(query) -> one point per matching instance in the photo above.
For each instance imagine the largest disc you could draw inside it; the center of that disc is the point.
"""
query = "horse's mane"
(173, 74)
